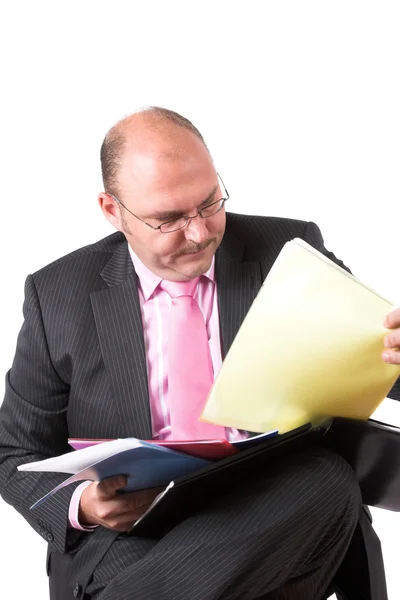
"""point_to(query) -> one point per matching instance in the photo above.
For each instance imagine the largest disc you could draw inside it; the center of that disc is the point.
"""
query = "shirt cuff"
(74, 508)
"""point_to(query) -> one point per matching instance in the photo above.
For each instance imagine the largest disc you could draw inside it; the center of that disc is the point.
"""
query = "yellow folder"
(309, 348)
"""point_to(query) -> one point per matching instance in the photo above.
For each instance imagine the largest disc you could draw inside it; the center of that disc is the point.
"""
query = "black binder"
(187, 494)
(371, 448)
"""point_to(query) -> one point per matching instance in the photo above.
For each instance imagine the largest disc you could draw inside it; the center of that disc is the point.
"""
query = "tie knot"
(179, 288)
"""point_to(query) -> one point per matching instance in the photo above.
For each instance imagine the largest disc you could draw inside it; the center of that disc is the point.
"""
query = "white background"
(298, 102)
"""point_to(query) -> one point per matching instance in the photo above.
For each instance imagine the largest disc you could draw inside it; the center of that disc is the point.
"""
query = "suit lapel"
(118, 320)
(119, 325)
(238, 282)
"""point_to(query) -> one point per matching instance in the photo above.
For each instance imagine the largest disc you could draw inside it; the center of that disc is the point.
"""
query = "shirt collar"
(149, 281)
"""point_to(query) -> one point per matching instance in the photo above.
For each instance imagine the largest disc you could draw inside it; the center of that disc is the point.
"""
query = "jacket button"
(49, 537)
(76, 591)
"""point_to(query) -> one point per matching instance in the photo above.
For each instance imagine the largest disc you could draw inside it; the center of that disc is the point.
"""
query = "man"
(94, 359)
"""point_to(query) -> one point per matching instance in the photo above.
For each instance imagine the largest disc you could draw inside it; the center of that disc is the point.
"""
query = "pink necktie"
(190, 373)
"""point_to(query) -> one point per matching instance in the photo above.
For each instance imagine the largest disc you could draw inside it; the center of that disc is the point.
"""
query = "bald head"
(157, 170)
(154, 132)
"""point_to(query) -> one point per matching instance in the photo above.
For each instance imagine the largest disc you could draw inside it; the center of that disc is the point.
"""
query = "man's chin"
(195, 264)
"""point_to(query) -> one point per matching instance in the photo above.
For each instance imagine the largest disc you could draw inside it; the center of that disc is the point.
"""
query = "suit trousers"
(282, 535)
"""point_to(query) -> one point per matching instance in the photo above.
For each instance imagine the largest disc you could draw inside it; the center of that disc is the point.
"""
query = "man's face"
(161, 186)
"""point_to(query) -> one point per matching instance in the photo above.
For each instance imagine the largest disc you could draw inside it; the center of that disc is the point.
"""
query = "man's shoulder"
(263, 233)
(256, 222)
(88, 259)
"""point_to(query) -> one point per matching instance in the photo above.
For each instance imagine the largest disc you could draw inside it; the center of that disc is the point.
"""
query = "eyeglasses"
(174, 225)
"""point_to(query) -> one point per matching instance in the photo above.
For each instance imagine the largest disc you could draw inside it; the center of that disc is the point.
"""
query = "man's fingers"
(127, 503)
(112, 504)
(147, 496)
(392, 340)
(392, 319)
(100, 504)
(118, 506)
(392, 357)
(106, 489)
(124, 521)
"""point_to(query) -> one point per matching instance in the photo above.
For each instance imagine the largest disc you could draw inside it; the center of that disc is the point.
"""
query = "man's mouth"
(197, 250)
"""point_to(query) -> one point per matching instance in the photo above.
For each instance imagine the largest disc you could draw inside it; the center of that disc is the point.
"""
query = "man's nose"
(196, 230)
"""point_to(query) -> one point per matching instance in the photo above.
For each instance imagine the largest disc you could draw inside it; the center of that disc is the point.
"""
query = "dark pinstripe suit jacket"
(80, 367)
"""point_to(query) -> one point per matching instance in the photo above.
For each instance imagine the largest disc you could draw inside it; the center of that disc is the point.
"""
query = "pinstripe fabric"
(155, 305)
(80, 367)
(293, 524)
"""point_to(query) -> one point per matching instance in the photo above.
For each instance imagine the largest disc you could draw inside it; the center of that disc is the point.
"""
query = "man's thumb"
(107, 487)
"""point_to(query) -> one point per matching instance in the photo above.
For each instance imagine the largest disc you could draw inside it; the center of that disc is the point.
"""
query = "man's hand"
(392, 340)
(100, 504)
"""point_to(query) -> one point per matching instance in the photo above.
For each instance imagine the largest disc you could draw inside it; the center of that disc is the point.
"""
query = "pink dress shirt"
(155, 305)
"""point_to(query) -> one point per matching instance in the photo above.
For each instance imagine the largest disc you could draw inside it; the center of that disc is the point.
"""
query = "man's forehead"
(171, 144)
(163, 197)
(146, 132)
(165, 168)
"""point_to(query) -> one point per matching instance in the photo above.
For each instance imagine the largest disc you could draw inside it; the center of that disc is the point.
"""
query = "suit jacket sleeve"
(33, 426)
(314, 237)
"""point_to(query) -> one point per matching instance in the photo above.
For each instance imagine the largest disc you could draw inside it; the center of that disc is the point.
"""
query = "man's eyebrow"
(169, 215)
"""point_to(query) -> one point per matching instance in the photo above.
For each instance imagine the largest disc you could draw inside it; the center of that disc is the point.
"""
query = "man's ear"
(110, 210)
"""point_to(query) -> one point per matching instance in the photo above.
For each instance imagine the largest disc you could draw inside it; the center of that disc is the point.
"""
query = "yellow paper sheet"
(309, 348)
